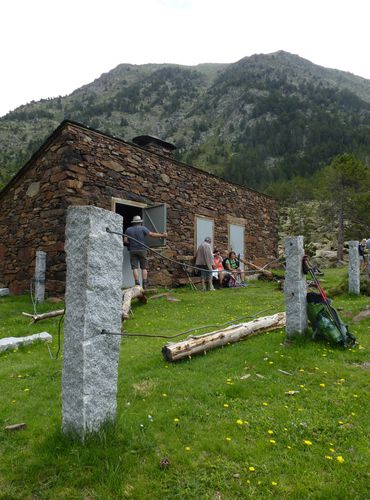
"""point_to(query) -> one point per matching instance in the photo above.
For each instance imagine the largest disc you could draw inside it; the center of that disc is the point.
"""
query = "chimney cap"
(145, 140)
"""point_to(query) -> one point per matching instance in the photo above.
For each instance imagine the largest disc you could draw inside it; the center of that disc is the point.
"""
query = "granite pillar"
(354, 268)
(295, 288)
(40, 270)
(93, 303)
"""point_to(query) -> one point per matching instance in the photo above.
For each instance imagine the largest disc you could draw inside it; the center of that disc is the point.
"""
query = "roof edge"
(67, 122)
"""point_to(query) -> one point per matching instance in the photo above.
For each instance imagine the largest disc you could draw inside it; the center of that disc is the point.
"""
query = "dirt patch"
(144, 388)
(365, 365)
(361, 315)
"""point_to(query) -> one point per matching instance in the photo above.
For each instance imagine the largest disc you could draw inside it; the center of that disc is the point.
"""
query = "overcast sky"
(50, 48)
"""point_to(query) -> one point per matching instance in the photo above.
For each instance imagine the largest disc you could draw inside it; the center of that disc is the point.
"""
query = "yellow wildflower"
(176, 419)
(226, 405)
(228, 439)
(328, 457)
(265, 404)
(252, 469)
(307, 442)
(273, 483)
(272, 441)
(322, 385)
(187, 448)
(340, 459)
(270, 431)
(239, 422)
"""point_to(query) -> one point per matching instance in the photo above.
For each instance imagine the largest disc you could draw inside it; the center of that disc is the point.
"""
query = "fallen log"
(136, 292)
(234, 333)
(268, 274)
(16, 427)
(40, 317)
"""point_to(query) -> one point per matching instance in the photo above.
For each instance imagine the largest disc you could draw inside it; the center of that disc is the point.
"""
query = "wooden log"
(267, 274)
(234, 333)
(16, 427)
(136, 292)
(40, 317)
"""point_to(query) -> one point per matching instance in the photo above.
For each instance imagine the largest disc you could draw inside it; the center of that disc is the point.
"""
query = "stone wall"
(78, 166)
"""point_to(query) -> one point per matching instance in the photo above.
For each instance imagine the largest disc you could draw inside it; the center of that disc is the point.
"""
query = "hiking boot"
(145, 284)
(137, 283)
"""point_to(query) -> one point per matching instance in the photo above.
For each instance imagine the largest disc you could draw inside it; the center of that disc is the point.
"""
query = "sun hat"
(136, 219)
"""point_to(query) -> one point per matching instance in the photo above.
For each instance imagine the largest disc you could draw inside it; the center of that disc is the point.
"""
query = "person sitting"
(219, 272)
(232, 264)
(362, 256)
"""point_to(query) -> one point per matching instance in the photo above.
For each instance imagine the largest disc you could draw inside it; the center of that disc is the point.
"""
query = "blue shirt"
(138, 232)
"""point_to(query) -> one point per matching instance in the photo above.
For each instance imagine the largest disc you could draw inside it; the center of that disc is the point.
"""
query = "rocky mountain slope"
(261, 119)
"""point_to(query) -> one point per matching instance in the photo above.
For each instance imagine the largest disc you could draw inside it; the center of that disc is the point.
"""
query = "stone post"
(40, 269)
(354, 268)
(295, 288)
(93, 302)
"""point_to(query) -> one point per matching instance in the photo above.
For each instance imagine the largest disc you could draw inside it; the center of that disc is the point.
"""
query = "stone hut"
(80, 166)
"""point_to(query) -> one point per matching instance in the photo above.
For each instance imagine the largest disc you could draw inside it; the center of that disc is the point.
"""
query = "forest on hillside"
(271, 122)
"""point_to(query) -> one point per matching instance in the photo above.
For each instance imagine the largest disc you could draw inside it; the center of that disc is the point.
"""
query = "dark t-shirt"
(139, 233)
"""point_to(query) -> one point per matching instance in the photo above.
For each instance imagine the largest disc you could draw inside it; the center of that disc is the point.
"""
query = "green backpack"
(326, 323)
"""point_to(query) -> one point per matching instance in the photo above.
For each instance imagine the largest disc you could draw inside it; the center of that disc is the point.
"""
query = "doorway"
(127, 212)
(236, 240)
(155, 219)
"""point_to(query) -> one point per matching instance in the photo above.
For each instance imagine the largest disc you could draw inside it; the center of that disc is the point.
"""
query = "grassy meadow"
(223, 421)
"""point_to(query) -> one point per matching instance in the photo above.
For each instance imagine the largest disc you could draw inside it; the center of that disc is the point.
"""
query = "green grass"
(210, 416)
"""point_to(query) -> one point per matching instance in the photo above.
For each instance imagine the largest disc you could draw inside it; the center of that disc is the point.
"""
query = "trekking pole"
(307, 268)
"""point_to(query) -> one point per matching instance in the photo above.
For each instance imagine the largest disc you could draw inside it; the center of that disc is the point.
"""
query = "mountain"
(265, 118)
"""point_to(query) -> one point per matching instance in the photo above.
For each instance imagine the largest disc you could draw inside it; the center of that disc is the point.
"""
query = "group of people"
(363, 248)
(212, 265)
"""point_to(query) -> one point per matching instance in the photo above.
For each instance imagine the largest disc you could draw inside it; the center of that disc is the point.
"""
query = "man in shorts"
(134, 239)
(204, 261)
